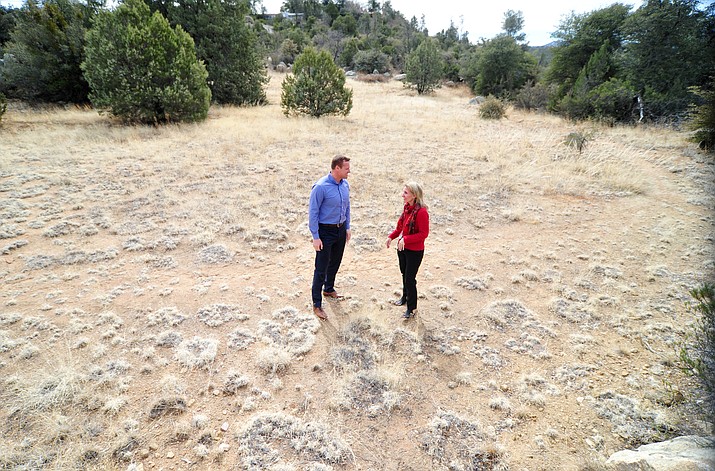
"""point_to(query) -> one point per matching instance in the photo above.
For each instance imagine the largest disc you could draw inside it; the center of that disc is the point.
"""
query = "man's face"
(342, 172)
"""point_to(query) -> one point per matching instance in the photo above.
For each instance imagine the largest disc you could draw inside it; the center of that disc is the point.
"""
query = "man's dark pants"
(410, 261)
(327, 261)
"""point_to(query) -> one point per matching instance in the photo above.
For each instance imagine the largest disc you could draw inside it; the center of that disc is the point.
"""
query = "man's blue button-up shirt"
(329, 204)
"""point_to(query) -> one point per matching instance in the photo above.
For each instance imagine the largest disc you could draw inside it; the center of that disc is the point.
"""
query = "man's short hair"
(338, 161)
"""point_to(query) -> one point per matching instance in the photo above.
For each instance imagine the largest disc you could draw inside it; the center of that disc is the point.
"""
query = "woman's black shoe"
(401, 302)
(408, 313)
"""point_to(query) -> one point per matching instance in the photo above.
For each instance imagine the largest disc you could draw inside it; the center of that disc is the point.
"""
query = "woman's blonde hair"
(416, 190)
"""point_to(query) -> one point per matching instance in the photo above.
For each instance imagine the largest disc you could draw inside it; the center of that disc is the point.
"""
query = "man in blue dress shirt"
(329, 224)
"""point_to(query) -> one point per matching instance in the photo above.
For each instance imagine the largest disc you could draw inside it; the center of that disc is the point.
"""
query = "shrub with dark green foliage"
(141, 70)
(370, 61)
(697, 353)
(45, 52)
(504, 67)
(613, 100)
(226, 45)
(316, 87)
(424, 67)
(7, 24)
(703, 118)
(492, 108)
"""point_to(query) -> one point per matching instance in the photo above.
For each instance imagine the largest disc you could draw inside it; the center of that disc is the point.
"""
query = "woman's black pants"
(410, 261)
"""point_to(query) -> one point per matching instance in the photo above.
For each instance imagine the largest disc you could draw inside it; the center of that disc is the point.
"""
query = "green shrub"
(492, 108)
(45, 52)
(227, 46)
(703, 118)
(370, 61)
(612, 100)
(141, 70)
(316, 87)
(424, 67)
(697, 353)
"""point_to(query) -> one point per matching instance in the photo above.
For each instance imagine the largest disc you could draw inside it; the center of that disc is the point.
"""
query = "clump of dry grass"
(215, 315)
(507, 314)
(269, 440)
(241, 338)
(629, 419)
(459, 443)
(215, 254)
(273, 359)
(197, 352)
(370, 392)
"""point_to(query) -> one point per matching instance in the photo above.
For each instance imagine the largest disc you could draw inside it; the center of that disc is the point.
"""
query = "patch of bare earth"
(155, 302)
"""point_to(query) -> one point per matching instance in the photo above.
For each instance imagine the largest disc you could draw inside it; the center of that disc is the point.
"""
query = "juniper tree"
(424, 67)
(141, 70)
(316, 87)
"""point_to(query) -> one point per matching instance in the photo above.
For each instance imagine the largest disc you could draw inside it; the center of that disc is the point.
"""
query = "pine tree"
(46, 50)
(141, 70)
(424, 67)
(316, 87)
(226, 45)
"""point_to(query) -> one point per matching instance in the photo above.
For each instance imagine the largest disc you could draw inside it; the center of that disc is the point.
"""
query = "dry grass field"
(155, 303)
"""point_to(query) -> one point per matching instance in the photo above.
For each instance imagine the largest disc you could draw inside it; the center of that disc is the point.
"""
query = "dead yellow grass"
(156, 289)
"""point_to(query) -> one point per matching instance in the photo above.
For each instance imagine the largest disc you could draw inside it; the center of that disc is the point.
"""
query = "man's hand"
(347, 236)
(317, 245)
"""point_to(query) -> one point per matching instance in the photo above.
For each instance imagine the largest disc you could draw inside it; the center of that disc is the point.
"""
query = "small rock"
(170, 455)
(224, 426)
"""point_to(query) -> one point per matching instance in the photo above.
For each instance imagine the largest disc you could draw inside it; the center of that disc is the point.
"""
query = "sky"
(480, 18)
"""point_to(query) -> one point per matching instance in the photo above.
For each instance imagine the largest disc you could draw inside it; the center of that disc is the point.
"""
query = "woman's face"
(408, 196)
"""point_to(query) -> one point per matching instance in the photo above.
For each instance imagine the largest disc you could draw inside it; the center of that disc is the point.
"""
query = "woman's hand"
(401, 244)
(387, 244)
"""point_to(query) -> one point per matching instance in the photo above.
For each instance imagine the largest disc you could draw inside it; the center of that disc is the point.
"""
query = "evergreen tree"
(670, 46)
(7, 24)
(424, 67)
(226, 45)
(513, 24)
(45, 52)
(141, 70)
(580, 37)
(504, 67)
(316, 87)
(703, 117)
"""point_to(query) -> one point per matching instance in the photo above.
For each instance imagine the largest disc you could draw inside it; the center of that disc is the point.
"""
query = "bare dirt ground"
(155, 303)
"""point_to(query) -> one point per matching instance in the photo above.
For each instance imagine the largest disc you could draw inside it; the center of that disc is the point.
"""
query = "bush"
(492, 108)
(227, 46)
(370, 61)
(703, 118)
(316, 87)
(533, 96)
(44, 55)
(697, 353)
(424, 67)
(612, 100)
(141, 70)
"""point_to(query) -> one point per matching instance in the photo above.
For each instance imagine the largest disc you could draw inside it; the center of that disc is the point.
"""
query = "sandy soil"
(156, 290)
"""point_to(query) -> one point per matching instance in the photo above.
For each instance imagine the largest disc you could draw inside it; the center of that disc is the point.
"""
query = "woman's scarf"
(409, 215)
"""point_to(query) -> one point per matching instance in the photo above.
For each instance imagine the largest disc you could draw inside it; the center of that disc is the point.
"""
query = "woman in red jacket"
(411, 231)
